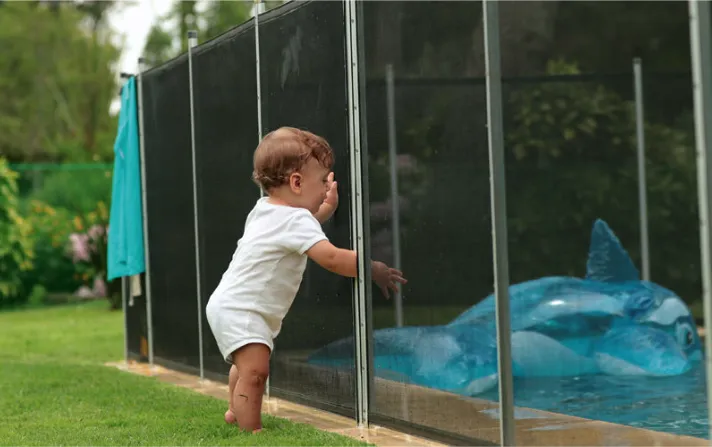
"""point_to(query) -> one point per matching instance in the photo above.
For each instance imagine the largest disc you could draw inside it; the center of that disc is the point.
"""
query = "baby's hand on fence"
(331, 201)
(386, 278)
(332, 193)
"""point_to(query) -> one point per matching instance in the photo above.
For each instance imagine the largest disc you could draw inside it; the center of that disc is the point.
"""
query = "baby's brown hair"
(284, 151)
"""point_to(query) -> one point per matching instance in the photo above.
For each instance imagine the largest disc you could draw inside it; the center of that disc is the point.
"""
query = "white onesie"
(265, 273)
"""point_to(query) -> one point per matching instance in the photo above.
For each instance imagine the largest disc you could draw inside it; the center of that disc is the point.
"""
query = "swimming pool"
(675, 405)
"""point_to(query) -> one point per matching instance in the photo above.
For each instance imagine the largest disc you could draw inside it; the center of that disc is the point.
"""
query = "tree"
(168, 38)
(159, 46)
(221, 16)
(56, 84)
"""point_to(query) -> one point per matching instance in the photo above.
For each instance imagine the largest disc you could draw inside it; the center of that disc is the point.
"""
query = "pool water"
(675, 405)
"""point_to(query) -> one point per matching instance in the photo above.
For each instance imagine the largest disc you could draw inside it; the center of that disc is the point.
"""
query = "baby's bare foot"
(230, 417)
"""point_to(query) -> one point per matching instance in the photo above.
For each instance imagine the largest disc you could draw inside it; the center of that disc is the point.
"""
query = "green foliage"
(76, 191)
(38, 296)
(89, 251)
(550, 121)
(656, 31)
(166, 42)
(572, 159)
(57, 83)
(15, 243)
(159, 46)
(70, 251)
(221, 16)
(53, 267)
(52, 200)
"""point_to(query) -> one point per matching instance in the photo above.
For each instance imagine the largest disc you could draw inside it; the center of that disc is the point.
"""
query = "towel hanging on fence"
(125, 255)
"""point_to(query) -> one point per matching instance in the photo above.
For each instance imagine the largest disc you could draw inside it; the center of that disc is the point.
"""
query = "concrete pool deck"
(475, 418)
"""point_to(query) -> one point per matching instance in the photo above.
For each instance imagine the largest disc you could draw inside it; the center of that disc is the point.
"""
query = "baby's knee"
(255, 376)
(252, 365)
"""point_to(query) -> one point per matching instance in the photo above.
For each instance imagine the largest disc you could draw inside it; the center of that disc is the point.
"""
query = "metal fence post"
(192, 43)
(499, 219)
(259, 9)
(642, 184)
(395, 204)
(125, 290)
(146, 247)
(357, 215)
(125, 286)
(702, 94)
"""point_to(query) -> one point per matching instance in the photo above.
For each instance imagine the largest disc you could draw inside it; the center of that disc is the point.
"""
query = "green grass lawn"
(55, 390)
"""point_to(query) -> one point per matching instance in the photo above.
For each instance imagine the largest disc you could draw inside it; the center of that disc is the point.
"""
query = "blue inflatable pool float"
(610, 322)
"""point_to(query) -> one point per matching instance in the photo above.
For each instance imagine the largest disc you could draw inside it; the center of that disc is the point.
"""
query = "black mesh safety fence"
(594, 155)
(552, 162)
(303, 82)
(225, 110)
(590, 337)
(672, 185)
(572, 179)
(428, 186)
(570, 145)
(169, 202)
(570, 162)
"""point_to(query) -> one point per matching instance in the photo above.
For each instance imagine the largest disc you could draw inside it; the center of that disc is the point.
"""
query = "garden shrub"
(571, 158)
(15, 243)
(53, 267)
(570, 155)
(89, 253)
(70, 252)
(76, 191)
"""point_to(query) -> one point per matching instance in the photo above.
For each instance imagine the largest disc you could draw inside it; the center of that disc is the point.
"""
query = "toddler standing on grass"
(246, 310)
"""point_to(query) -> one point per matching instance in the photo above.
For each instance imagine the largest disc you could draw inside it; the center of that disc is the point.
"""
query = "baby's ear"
(295, 181)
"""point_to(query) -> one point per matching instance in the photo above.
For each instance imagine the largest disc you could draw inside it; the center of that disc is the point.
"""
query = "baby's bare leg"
(252, 362)
(232, 381)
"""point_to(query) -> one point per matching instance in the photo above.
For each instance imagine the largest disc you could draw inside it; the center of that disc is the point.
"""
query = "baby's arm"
(334, 259)
(326, 210)
(343, 262)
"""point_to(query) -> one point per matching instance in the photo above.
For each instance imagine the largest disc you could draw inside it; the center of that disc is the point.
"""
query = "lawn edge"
(321, 420)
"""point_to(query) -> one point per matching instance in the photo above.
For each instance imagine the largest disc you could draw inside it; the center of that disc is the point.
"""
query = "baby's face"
(313, 185)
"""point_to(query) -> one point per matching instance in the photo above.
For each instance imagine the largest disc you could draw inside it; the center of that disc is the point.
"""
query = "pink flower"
(80, 247)
(95, 232)
(84, 292)
(99, 288)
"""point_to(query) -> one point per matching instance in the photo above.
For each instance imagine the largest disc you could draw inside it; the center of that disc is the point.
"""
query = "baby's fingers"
(398, 278)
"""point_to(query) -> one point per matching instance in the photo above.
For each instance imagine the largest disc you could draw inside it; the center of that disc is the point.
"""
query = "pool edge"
(478, 418)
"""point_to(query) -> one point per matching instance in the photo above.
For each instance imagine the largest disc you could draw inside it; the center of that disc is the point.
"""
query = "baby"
(246, 310)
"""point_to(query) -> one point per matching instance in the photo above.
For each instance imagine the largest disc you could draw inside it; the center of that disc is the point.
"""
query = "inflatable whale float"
(610, 322)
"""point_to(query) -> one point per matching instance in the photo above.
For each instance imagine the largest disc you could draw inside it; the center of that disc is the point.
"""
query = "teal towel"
(125, 255)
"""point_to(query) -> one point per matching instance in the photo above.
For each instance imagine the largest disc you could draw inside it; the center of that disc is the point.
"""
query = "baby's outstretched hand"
(331, 201)
(332, 194)
(386, 278)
